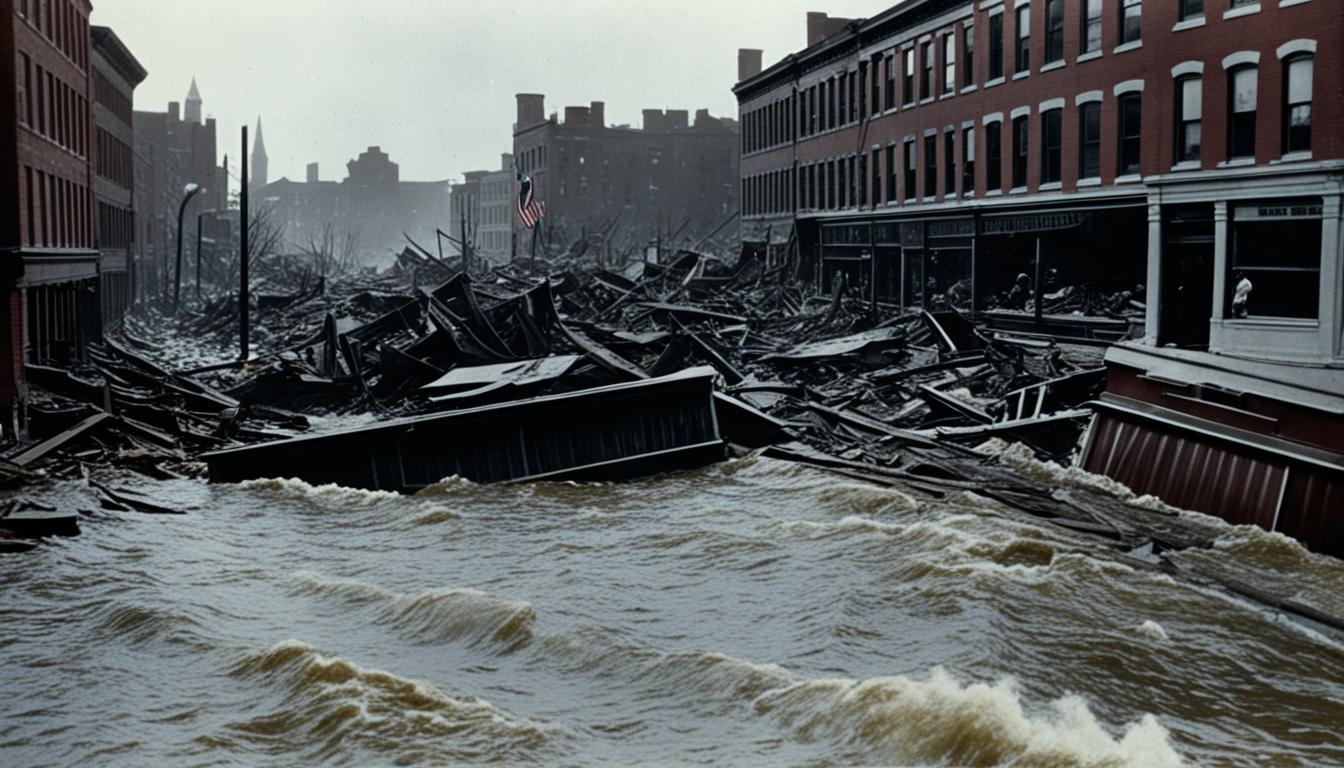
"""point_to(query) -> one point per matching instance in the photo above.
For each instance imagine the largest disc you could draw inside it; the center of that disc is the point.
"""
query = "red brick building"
(48, 261)
(675, 172)
(116, 73)
(945, 147)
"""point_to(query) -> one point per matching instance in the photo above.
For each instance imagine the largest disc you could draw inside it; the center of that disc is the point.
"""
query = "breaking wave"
(900, 720)
(437, 616)
(330, 494)
(331, 704)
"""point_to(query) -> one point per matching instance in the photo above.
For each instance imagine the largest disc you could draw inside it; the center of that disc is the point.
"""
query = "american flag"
(529, 209)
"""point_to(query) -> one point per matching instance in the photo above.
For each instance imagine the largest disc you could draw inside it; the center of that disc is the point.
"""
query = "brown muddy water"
(753, 613)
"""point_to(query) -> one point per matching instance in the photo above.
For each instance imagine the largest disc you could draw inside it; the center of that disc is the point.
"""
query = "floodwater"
(752, 613)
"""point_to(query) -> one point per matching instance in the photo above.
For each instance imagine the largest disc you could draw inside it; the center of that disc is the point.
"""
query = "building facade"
(116, 73)
(171, 151)
(372, 205)
(494, 236)
(48, 260)
(943, 147)
(465, 207)
(628, 183)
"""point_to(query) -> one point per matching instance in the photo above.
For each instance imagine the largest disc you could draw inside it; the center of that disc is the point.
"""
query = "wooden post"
(243, 255)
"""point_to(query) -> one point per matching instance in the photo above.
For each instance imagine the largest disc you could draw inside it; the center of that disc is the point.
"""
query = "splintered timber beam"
(607, 433)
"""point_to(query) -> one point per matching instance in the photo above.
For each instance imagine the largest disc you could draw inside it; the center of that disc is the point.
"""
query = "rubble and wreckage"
(580, 373)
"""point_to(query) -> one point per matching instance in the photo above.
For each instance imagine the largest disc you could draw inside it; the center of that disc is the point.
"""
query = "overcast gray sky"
(432, 81)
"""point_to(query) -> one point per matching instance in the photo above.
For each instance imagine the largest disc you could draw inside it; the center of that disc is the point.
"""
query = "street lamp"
(188, 192)
(200, 219)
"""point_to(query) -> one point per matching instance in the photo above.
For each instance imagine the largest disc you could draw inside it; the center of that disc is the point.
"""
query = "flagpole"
(536, 230)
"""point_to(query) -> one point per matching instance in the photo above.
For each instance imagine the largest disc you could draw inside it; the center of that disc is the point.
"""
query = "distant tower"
(193, 114)
(259, 160)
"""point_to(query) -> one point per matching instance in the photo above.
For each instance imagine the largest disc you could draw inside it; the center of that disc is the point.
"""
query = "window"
(1020, 151)
(909, 84)
(1242, 3)
(1131, 17)
(910, 192)
(994, 156)
(996, 46)
(890, 65)
(1089, 140)
(1192, 9)
(950, 164)
(861, 180)
(968, 163)
(1023, 57)
(876, 71)
(1131, 124)
(967, 56)
(949, 63)
(931, 165)
(926, 71)
(877, 177)
(1091, 38)
(855, 90)
(1283, 282)
(1298, 74)
(1051, 143)
(1244, 87)
(1189, 118)
(1054, 30)
(891, 173)
(843, 83)
(26, 97)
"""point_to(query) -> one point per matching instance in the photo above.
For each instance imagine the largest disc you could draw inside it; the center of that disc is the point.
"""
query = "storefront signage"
(1031, 222)
(952, 228)
(1278, 212)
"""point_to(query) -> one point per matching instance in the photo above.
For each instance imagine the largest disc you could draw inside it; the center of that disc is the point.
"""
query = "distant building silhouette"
(373, 204)
(260, 162)
(192, 114)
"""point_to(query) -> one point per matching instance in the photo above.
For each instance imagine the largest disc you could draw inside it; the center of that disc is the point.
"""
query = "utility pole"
(189, 192)
(243, 256)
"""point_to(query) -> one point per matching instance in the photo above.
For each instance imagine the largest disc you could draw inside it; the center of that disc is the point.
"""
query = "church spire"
(193, 113)
(260, 163)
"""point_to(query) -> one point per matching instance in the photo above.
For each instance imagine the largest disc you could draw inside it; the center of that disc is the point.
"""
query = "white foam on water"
(1152, 630)
(323, 494)
(899, 720)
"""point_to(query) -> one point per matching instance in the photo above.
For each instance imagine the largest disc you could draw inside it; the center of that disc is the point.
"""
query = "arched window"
(1089, 143)
(1189, 118)
(1131, 134)
(1243, 98)
(1298, 74)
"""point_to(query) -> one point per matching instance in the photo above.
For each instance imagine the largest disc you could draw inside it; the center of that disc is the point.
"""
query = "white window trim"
(968, 89)
(1294, 47)
(930, 132)
(996, 81)
(1090, 181)
(1089, 56)
(1241, 58)
(1050, 186)
(1188, 165)
(993, 117)
(1245, 10)
(1291, 3)
(1052, 66)
(967, 124)
(1089, 97)
(1194, 23)
(1022, 75)
(1187, 68)
(1133, 178)
(1020, 112)
(1132, 45)
(994, 6)
(1128, 86)
(1050, 104)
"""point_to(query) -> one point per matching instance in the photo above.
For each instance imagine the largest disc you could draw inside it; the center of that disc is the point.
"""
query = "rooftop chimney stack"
(821, 26)
(749, 63)
(313, 173)
(597, 114)
(531, 110)
(576, 116)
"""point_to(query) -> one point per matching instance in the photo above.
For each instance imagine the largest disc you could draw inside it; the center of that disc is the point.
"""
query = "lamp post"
(200, 220)
(189, 192)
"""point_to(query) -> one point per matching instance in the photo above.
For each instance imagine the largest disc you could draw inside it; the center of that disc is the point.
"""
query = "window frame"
(1288, 145)
(1124, 37)
(1241, 138)
(1052, 156)
(994, 155)
(1054, 31)
(1125, 143)
(1091, 19)
(996, 51)
(1184, 122)
(1022, 40)
(1021, 154)
(1089, 145)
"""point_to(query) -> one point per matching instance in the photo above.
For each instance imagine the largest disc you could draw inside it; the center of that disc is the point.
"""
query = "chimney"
(678, 119)
(313, 175)
(653, 119)
(531, 110)
(576, 116)
(702, 118)
(506, 161)
(174, 111)
(748, 63)
(597, 114)
(821, 26)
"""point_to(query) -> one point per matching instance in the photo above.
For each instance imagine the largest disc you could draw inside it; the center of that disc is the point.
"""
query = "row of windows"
(115, 100)
(913, 68)
(116, 227)
(838, 184)
(59, 212)
(51, 108)
(532, 159)
(62, 24)
(115, 160)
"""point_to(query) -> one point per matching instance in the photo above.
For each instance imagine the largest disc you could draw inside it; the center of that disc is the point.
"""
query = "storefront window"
(1275, 261)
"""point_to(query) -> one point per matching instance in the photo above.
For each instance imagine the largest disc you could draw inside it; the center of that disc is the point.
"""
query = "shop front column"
(1153, 299)
(1220, 243)
(1332, 278)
